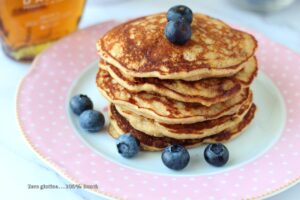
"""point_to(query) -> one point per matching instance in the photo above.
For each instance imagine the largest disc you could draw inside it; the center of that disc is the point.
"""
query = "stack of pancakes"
(188, 94)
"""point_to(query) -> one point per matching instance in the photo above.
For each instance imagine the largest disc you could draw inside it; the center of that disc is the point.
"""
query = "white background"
(19, 166)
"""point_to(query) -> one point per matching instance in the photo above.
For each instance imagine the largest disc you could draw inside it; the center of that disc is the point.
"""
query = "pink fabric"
(43, 118)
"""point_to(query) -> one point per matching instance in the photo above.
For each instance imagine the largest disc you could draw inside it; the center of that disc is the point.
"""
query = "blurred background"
(29, 26)
(277, 19)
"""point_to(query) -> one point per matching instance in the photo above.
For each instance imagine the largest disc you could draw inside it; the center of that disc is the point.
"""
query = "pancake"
(205, 91)
(183, 131)
(164, 109)
(247, 74)
(140, 49)
(119, 125)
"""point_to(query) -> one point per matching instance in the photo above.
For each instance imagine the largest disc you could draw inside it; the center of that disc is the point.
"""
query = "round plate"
(263, 160)
(265, 130)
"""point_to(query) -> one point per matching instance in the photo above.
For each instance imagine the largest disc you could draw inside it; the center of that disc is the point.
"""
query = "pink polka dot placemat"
(42, 115)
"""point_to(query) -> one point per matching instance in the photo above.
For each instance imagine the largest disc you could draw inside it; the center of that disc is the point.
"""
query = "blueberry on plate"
(128, 146)
(175, 157)
(216, 154)
(178, 32)
(180, 12)
(92, 120)
(80, 103)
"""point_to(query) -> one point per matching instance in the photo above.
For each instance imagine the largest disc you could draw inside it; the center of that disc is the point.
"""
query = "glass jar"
(29, 26)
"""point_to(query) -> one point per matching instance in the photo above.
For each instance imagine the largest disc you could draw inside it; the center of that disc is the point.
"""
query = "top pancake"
(140, 49)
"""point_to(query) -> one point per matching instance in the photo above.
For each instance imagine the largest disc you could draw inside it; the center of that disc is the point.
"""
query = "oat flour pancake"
(183, 131)
(140, 49)
(164, 109)
(205, 91)
(119, 125)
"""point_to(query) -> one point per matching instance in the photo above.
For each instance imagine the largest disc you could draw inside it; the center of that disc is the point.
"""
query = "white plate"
(257, 138)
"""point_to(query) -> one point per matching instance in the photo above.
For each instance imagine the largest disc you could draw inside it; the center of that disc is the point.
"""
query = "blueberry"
(127, 145)
(216, 154)
(180, 12)
(80, 103)
(175, 157)
(91, 120)
(178, 32)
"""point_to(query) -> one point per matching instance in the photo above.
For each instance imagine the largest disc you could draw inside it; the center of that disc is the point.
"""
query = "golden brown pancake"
(183, 131)
(163, 109)
(205, 91)
(140, 49)
(119, 125)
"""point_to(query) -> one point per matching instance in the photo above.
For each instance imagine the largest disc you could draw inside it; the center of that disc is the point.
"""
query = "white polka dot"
(164, 184)
(295, 154)
(273, 181)
(284, 163)
(234, 194)
(254, 188)
(77, 162)
(111, 179)
(282, 155)
(283, 75)
(50, 112)
(45, 83)
(254, 179)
